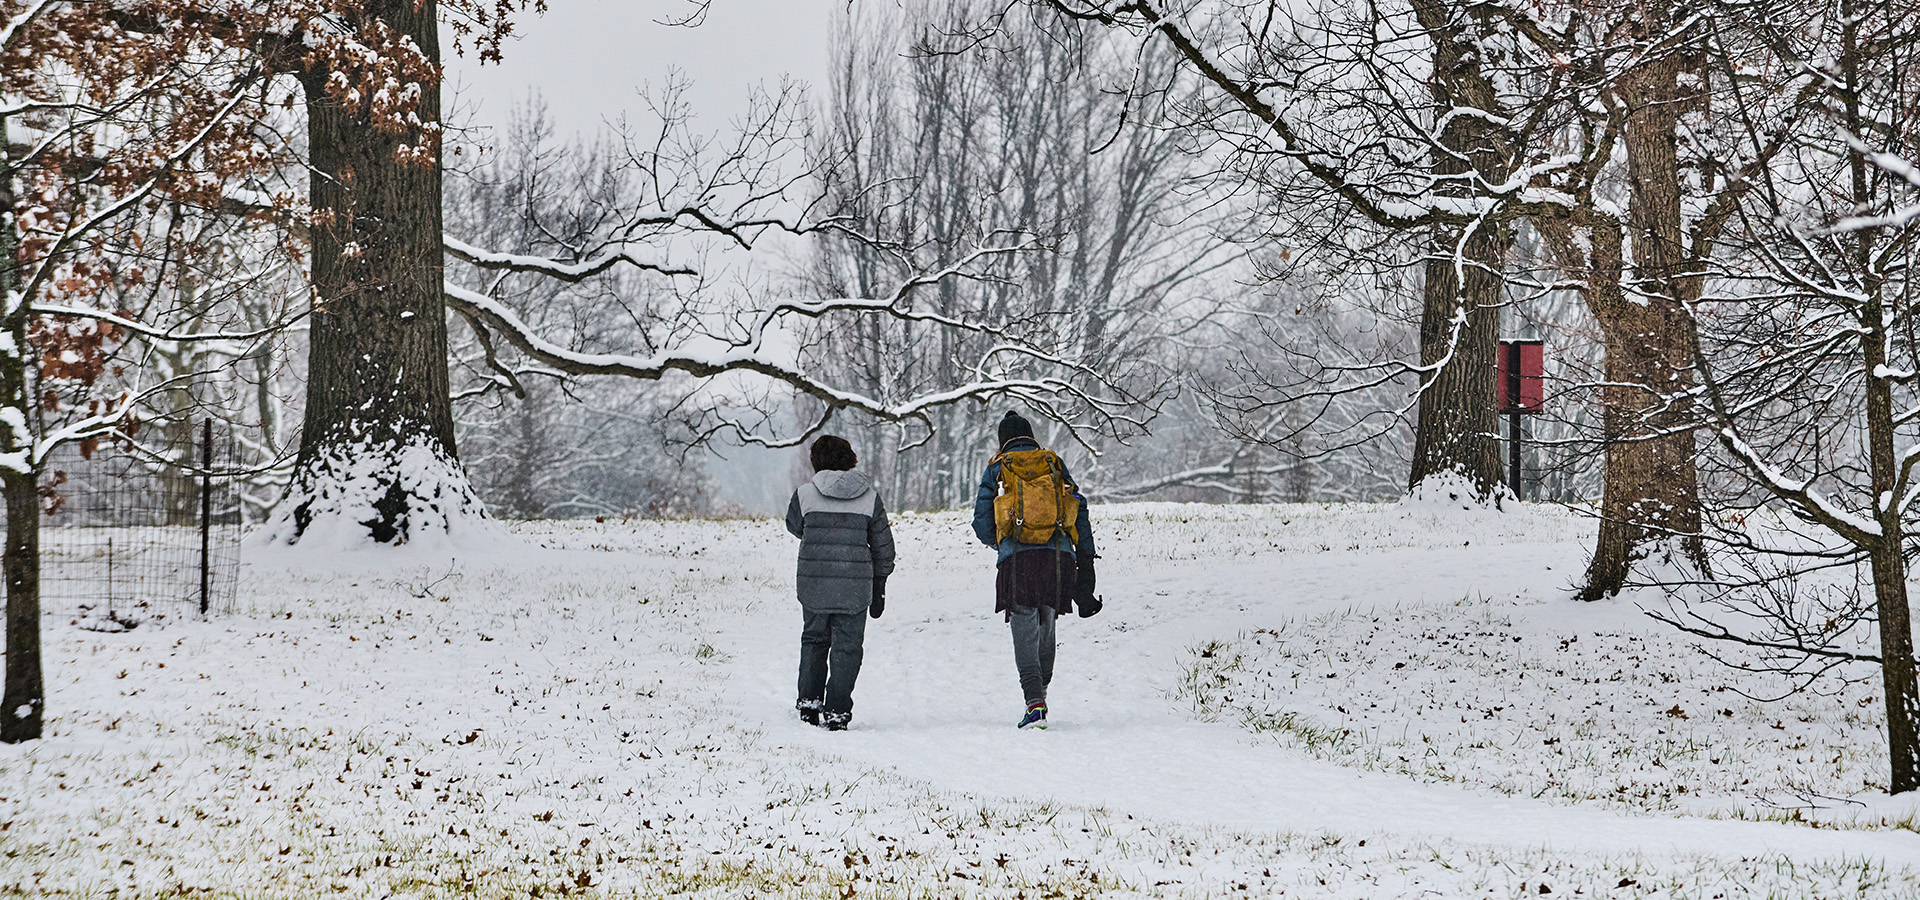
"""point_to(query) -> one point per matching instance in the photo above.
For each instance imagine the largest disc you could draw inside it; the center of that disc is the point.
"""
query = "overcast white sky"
(588, 57)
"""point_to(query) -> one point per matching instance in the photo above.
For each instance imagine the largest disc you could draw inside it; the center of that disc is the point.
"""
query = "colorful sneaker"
(809, 711)
(835, 721)
(1036, 716)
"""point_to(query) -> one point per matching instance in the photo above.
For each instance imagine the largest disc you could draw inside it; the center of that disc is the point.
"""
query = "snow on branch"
(1288, 133)
(897, 306)
(25, 19)
(75, 232)
(1799, 492)
(1899, 217)
(486, 312)
(107, 421)
(159, 334)
(571, 272)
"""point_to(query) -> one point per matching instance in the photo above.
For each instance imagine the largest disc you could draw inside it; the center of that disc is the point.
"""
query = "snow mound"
(1452, 491)
(355, 498)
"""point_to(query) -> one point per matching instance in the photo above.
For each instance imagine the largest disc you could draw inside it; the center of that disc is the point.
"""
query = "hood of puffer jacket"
(842, 485)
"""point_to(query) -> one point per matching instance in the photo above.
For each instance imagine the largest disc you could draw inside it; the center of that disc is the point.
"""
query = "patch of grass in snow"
(1472, 693)
(1498, 874)
(1215, 665)
(239, 819)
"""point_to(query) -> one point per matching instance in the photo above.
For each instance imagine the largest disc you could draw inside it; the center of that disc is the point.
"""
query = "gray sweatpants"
(1033, 649)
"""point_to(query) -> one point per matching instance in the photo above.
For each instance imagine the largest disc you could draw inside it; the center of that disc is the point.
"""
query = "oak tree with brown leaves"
(105, 118)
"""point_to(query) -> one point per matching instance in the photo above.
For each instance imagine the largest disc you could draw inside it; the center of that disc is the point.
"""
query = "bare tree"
(1406, 123)
(1283, 392)
(537, 442)
(1574, 119)
(1635, 240)
(105, 120)
(377, 456)
(688, 197)
(1806, 349)
(943, 133)
(228, 269)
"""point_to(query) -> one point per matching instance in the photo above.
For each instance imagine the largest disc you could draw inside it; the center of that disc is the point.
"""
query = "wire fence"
(142, 533)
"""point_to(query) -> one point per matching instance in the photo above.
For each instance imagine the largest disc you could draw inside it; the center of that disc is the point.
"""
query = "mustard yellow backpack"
(1035, 499)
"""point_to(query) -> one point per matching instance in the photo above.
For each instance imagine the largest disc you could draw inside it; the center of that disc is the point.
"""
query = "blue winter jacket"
(990, 488)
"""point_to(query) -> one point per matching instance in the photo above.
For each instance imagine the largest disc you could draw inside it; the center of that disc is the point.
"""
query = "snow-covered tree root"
(1454, 489)
(352, 495)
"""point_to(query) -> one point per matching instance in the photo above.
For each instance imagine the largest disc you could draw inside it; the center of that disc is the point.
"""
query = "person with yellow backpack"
(1031, 511)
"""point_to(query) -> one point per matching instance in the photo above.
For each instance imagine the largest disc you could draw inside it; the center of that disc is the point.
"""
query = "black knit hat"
(1014, 426)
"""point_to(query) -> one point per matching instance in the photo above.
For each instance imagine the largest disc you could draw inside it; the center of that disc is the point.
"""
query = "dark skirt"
(1038, 577)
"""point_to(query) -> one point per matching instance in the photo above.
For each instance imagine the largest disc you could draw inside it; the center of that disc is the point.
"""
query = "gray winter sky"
(589, 57)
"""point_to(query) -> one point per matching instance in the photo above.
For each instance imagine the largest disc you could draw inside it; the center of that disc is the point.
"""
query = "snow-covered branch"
(571, 272)
(56, 252)
(490, 313)
(158, 334)
(24, 20)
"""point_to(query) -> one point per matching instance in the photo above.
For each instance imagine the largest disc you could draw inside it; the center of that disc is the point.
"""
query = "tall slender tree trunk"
(1889, 567)
(26, 696)
(377, 456)
(1887, 556)
(1651, 502)
(1456, 432)
(179, 486)
(25, 700)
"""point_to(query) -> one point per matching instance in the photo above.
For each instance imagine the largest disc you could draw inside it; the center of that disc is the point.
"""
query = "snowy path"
(938, 696)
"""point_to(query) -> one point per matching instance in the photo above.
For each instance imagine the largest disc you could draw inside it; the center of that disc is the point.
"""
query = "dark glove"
(1083, 598)
(879, 604)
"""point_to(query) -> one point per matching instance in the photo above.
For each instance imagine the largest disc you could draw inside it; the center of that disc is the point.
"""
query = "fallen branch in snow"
(1218, 476)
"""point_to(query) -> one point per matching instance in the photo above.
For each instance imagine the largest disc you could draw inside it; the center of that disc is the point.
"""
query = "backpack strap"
(1000, 460)
(1059, 490)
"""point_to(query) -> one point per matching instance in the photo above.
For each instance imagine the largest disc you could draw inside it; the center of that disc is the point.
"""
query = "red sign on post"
(1520, 385)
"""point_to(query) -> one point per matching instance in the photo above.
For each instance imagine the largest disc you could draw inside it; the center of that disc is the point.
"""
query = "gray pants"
(830, 651)
(1033, 649)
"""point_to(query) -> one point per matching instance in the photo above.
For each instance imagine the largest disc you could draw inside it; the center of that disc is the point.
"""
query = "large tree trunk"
(377, 454)
(1456, 441)
(1456, 444)
(1651, 503)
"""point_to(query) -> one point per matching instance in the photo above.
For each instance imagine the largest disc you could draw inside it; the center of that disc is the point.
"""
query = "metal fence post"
(1512, 349)
(206, 514)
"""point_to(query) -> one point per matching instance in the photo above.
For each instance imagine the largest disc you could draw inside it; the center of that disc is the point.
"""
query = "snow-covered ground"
(1301, 701)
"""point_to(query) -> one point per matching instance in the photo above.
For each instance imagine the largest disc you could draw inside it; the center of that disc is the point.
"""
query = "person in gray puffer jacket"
(846, 554)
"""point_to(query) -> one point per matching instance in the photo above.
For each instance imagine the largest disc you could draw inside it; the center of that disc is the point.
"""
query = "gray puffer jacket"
(844, 541)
